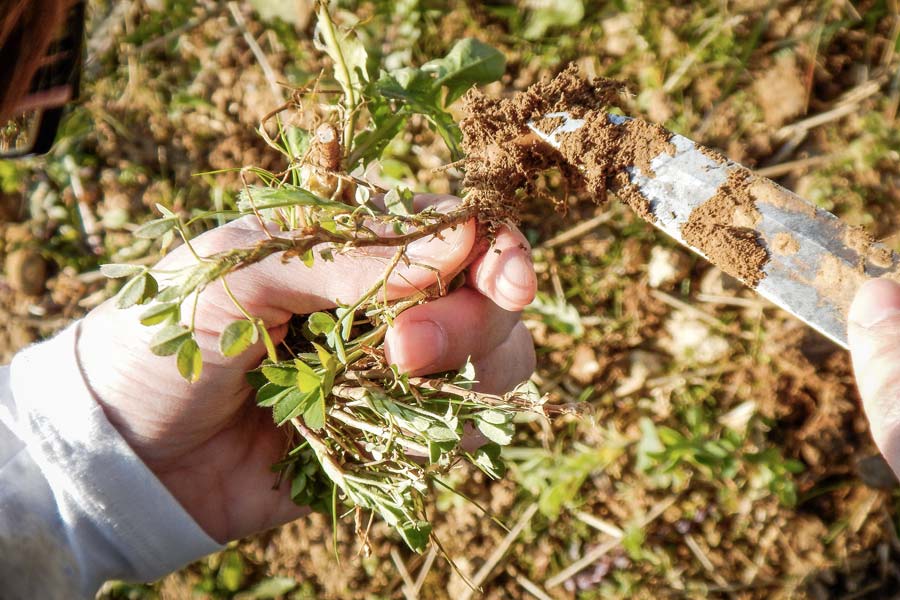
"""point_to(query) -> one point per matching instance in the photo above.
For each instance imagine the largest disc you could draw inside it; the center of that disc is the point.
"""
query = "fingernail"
(422, 344)
(517, 281)
(876, 300)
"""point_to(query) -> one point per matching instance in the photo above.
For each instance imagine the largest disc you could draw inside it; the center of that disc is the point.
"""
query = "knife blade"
(815, 263)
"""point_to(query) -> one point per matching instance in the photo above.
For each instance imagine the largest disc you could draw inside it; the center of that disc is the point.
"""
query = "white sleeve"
(77, 506)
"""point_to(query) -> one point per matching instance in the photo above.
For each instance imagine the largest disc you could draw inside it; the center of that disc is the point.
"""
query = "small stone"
(26, 271)
(875, 472)
(666, 267)
(10, 207)
(584, 365)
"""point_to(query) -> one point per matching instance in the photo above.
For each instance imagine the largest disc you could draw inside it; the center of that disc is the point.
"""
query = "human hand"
(208, 443)
(874, 336)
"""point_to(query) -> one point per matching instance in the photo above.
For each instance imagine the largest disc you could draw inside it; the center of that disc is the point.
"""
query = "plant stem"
(237, 302)
(187, 242)
(239, 258)
(378, 431)
(350, 99)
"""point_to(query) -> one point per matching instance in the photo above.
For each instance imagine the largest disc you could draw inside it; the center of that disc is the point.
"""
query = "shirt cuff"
(102, 486)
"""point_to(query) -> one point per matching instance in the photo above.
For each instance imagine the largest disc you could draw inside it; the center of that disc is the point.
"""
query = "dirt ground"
(726, 454)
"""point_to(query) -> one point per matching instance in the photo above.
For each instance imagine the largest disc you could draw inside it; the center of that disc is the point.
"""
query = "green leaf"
(346, 323)
(159, 313)
(314, 413)
(272, 587)
(439, 433)
(256, 379)
(117, 271)
(494, 417)
(399, 201)
(307, 379)
(409, 85)
(271, 394)
(321, 323)
(415, 534)
(190, 360)
(231, 571)
(468, 63)
(261, 198)
(152, 230)
(487, 458)
(292, 404)
(281, 375)
(558, 314)
(348, 50)
(168, 340)
(420, 95)
(132, 292)
(170, 293)
(165, 211)
(370, 144)
(237, 337)
(499, 434)
(633, 541)
(546, 15)
(308, 258)
(434, 452)
(139, 290)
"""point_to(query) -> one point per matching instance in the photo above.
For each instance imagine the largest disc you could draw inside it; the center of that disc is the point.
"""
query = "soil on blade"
(723, 228)
(504, 156)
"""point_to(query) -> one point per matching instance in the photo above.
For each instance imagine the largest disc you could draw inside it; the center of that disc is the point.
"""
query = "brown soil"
(838, 280)
(785, 244)
(504, 157)
(723, 228)
(862, 242)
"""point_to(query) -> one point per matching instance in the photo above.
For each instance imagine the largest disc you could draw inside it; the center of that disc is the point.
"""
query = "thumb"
(874, 337)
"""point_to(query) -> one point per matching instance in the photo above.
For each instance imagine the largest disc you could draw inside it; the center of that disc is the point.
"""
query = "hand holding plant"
(207, 442)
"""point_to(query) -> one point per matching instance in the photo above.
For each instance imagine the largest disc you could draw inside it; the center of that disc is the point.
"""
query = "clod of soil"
(723, 229)
(861, 241)
(504, 156)
(26, 271)
(785, 244)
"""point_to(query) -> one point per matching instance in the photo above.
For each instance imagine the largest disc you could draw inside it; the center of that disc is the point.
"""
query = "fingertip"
(874, 340)
(505, 273)
(517, 281)
(876, 300)
(414, 346)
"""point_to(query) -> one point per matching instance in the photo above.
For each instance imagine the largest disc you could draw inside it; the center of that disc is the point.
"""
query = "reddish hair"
(27, 28)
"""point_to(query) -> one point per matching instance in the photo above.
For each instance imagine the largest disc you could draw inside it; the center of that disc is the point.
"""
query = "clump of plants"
(366, 436)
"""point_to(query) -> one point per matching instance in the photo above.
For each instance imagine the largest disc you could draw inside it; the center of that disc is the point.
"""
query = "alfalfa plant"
(369, 437)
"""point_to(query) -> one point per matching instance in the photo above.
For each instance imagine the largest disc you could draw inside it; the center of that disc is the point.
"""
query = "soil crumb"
(504, 156)
(785, 244)
(881, 257)
(723, 228)
(859, 240)
(838, 281)
(767, 191)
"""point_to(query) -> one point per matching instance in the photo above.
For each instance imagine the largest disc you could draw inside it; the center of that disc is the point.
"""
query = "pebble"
(26, 271)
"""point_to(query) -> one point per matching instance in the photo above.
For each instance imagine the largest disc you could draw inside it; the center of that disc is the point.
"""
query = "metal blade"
(816, 281)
